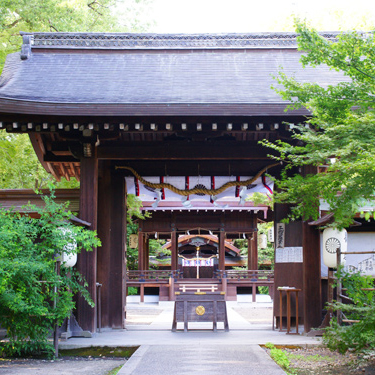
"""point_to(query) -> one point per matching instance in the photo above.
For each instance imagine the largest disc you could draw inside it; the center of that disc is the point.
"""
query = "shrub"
(33, 297)
(360, 335)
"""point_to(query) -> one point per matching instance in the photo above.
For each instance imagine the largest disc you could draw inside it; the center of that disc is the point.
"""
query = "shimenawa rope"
(196, 190)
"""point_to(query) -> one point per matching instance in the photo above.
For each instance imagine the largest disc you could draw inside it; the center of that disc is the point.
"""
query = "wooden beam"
(60, 149)
(197, 167)
(87, 260)
(234, 222)
(52, 158)
(183, 150)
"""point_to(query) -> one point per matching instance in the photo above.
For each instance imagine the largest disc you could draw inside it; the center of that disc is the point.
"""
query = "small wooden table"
(288, 290)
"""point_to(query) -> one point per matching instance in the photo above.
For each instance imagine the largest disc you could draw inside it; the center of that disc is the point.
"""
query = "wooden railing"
(252, 275)
(152, 275)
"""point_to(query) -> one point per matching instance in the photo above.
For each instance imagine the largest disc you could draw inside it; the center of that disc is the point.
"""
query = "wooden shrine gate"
(161, 105)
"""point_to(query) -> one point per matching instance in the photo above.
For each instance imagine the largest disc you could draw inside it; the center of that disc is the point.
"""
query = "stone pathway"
(200, 359)
(164, 352)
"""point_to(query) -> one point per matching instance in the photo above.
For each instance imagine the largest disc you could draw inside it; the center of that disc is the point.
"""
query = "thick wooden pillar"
(87, 260)
(222, 250)
(311, 269)
(311, 277)
(174, 250)
(112, 254)
(252, 256)
(146, 253)
(141, 249)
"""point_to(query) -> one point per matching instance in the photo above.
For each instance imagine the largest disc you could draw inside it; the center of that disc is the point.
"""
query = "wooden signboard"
(133, 241)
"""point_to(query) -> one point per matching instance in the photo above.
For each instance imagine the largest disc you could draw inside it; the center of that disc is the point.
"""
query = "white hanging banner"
(232, 194)
(200, 262)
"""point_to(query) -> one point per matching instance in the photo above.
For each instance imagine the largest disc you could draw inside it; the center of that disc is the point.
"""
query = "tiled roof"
(130, 74)
(163, 41)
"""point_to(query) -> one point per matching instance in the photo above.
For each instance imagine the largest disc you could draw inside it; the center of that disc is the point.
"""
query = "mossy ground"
(99, 352)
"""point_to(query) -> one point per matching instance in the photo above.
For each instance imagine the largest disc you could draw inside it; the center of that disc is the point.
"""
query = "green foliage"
(264, 255)
(355, 283)
(264, 290)
(133, 206)
(341, 127)
(134, 213)
(20, 168)
(115, 370)
(260, 198)
(28, 279)
(132, 291)
(267, 254)
(360, 335)
(280, 357)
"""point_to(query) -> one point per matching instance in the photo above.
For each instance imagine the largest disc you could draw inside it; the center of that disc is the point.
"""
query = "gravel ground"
(254, 315)
(136, 316)
(322, 361)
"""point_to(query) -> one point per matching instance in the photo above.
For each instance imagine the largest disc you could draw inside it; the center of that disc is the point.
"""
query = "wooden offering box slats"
(200, 307)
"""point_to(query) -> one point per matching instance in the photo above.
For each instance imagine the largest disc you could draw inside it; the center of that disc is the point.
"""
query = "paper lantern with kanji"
(334, 240)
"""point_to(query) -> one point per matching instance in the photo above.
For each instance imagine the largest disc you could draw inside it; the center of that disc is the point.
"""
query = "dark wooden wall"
(311, 277)
(102, 203)
(305, 276)
(289, 274)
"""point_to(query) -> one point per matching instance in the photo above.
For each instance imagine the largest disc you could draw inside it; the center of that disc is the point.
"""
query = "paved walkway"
(198, 351)
(200, 359)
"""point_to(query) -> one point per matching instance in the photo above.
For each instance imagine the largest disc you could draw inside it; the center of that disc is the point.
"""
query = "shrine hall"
(175, 120)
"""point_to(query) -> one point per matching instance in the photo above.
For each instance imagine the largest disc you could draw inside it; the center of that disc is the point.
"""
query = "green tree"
(66, 16)
(134, 213)
(19, 166)
(33, 297)
(340, 134)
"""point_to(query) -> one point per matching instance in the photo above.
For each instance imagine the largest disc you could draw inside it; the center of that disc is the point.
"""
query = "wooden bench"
(198, 288)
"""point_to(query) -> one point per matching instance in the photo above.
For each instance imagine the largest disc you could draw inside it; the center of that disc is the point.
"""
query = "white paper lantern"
(68, 257)
(333, 240)
(69, 260)
(263, 241)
